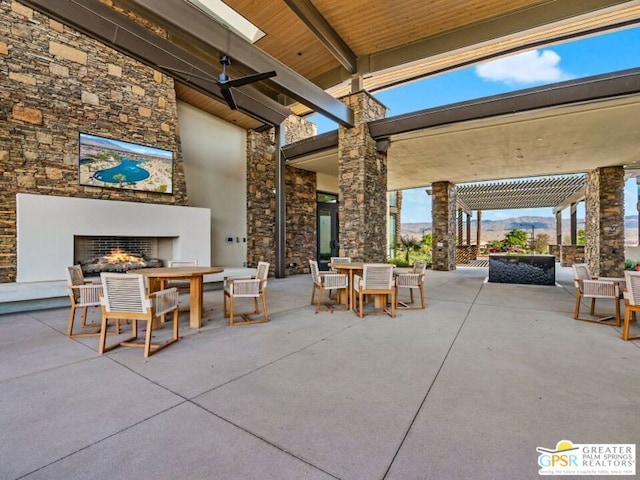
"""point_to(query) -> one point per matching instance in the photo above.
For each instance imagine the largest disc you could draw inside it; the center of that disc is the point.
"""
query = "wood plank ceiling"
(396, 41)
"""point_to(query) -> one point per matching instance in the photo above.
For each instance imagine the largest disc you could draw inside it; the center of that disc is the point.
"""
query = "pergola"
(557, 192)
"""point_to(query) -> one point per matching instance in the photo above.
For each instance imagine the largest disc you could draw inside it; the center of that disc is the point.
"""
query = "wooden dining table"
(156, 277)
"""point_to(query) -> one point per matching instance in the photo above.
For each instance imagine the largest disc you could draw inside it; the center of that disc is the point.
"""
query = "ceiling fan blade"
(228, 96)
(238, 82)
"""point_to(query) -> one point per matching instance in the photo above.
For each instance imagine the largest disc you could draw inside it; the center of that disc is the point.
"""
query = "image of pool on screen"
(106, 162)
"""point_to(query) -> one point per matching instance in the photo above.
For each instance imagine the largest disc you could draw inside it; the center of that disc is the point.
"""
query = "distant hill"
(496, 229)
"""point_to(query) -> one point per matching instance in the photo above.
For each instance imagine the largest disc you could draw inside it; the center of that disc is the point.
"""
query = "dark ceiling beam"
(109, 27)
(333, 42)
(537, 16)
(190, 20)
(610, 85)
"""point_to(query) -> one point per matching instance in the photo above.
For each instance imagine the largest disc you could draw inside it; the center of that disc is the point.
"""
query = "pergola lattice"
(528, 193)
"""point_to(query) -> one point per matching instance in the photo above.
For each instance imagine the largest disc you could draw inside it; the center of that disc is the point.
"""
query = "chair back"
(263, 270)
(124, 292)
(315, 271)
(419, 266)
(632, 279)
(182, 263)
(340, 259)
(75, 276)
(377, 276)
(581, 272)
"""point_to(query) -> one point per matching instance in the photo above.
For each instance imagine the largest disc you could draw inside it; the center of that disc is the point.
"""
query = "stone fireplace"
(55, 232)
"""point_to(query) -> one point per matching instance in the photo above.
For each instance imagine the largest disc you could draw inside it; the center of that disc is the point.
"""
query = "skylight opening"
(228, 17)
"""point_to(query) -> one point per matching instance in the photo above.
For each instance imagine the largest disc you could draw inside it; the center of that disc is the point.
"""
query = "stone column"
(459, 235)
(443, 217)
(362, 183)
(604, 208)
(261, 201)
(559, 228)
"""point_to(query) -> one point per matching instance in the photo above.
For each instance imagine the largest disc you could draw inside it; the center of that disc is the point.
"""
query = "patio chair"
(83, 294)
(594, 288)
(631, 302)
(412, 280)
(125, 298)
(331, 282)
(254, 287)
(377, 279)
(181, 285)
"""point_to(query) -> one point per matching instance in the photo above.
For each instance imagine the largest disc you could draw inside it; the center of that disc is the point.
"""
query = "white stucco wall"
(46, 226)
(214, 153)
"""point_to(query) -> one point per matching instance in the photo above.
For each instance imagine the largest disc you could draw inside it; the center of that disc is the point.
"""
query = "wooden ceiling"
(396, 41)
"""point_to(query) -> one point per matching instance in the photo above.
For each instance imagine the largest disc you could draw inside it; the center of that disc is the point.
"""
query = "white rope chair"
(331, 282)
(181, 285)
(594, 288)
(411, 280)
(125, 298)
(632, 302)
(377, 279)
(254, 287)
(83, 294)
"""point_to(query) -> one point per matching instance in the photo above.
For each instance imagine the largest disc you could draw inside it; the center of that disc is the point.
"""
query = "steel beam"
(610, 85)
(190, 20)
(106, 25)
(333, 42)
(281, 201)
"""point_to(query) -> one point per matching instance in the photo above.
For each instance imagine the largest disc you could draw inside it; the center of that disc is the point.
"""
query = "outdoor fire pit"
(118, 261)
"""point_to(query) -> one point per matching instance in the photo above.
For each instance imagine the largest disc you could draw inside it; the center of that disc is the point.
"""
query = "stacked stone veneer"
(604, 229)
(54, 83)
(301, 204)
(362, 184)
(443, 214)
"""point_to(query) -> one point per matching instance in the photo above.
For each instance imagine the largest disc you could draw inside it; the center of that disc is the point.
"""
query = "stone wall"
(55, 83)
(301, 201)
(443, 215)
(362, 185)
(604, 229)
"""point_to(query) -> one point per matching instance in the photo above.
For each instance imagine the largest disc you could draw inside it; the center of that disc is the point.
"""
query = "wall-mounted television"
(106, 162)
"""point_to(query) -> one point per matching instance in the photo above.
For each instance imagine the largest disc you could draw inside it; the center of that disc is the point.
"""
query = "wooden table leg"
(195, 309)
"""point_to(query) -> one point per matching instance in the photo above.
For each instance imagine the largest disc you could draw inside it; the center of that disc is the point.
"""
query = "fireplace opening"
(97, 254)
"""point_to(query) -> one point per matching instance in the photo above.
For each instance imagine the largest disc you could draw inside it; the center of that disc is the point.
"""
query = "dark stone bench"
(523, 269)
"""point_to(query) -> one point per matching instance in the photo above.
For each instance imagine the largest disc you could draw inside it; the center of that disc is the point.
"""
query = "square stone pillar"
(443, 217)
(300, 237)
(362, 184)
(604, 229)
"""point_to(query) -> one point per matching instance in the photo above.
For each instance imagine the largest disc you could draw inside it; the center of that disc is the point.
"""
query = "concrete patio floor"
(465, 389)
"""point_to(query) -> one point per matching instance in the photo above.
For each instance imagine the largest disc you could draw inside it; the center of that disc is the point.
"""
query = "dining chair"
(124, 297)
(631, 302)
(411, 280)
(377, 279)
(590, 287)
(331, 282)
(183, 286)
(255, 287)
(83, 294)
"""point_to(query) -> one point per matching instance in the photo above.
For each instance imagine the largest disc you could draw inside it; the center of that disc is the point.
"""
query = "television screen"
(105, 162)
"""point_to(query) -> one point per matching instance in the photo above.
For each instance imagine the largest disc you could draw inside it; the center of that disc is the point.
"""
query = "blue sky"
(581, 58)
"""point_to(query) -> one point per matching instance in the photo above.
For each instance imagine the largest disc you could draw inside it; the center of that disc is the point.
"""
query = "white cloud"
(534, 66)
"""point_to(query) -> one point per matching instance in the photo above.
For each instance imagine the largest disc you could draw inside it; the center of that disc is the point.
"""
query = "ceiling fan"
(225, 82)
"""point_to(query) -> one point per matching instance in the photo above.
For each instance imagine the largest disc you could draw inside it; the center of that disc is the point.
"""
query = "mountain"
(497, 229)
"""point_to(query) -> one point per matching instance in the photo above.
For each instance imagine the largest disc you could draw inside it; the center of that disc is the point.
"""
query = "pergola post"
(559, 228)
(479, 229)
(468, 229)
(574, 224)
